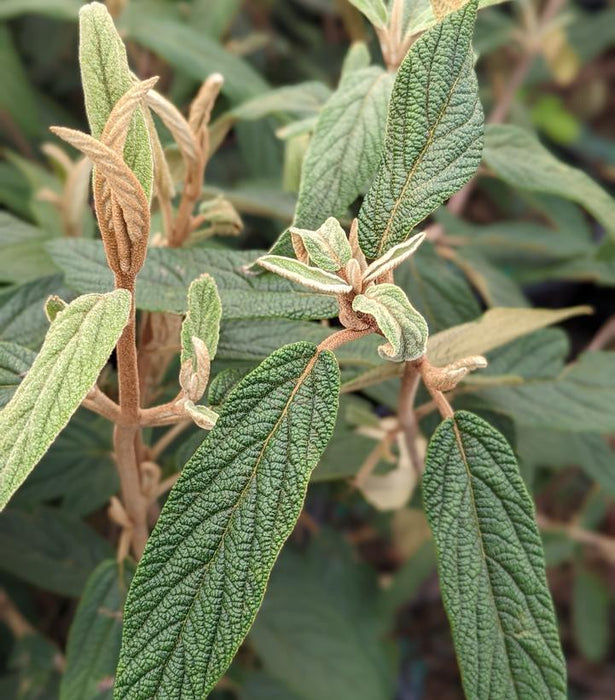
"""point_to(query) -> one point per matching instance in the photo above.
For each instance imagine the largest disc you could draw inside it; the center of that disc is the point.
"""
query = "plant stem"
(342, 337)
(126, 434)
(407, 416)
(605, 545)
(170, 435)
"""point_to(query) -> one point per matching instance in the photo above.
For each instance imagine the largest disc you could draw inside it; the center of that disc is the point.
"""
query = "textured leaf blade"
(106, 77)
(76, 348)
(163, 282)
(346, 147)
(96, 633)
(433, 142)
(205, 568)
(491, 564)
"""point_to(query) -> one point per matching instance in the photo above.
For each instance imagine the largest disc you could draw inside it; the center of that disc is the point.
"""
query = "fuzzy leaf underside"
(491, 564)
(105, 76)
(205, 568)
(433, 141)
(346, 147)
(76, 348)
(203, 318)
(96, 632)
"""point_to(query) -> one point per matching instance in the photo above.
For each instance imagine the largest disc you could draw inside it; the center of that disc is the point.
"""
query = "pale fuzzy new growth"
(311, 277)
(393, 258)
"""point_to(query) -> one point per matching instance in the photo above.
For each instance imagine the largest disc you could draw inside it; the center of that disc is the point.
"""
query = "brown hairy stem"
(342, 337)
(126, 436)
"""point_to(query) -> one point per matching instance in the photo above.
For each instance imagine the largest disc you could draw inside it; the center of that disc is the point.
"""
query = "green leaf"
(401, 324)
(191, 51)
(555, 449)
(434, 134)
(304, 99)
(15, 361)
(163, 282)
(580, 399)
(50, 549)
(22, 310)
(206, 565)
(491, 564)
(374, 10)
(78, 470)
(393, 258)
(327, 248)
(517, 157)
(591, 606)
(494, 328)
(105, 76)
(345, 148)
(60, 9)
(95, 634)
(203, 318)
(319, 631)
(76, 348)
(311, 277)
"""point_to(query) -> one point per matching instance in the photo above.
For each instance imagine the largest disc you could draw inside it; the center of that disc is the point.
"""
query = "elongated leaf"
(96, 633)
(516, 156)
(311, 277)
(303, 99)
(106, 77)
(22, 310)
(205, 567)
(15, 361)
(434, 134)
(50, 549)
(203, 318)
(346, 146)
(491, 564)
(393, 258)
(76, 348)
(163, 282)
(580, 399)
(494, 328)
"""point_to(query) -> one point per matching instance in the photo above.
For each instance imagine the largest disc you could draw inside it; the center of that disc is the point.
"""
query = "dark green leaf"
(95, 635)
(50, 549)
(203, 575)
(491, 564)
(163, 282)
(434, 134)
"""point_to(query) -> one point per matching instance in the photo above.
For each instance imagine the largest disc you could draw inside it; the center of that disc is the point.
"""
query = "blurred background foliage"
(353, 608)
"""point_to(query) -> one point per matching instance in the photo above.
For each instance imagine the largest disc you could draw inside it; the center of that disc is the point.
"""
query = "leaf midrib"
(386, 233)
(234, 509)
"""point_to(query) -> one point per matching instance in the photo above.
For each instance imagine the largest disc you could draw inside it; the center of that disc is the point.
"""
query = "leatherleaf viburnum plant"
(278, 365)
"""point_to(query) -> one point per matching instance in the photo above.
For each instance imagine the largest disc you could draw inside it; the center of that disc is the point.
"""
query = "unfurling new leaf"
(203, 575)
(106, 77)
(400, 323)
(434, 134)
(77, 346)
(311, 277)
(200, 332)
(491, 564)
(327, 248)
